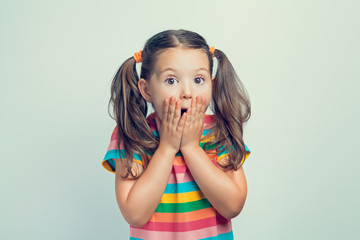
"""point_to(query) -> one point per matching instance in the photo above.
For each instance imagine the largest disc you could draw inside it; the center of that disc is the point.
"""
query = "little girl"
(178, 172)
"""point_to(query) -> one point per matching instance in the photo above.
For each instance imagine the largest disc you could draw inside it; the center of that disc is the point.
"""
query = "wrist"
(190, 148)
(166, 150)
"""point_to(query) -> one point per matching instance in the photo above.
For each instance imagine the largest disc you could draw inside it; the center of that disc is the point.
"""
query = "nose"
(186, 92)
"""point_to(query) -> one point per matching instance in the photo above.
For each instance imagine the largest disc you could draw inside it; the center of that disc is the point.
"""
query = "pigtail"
(130, 110)
(231, 106)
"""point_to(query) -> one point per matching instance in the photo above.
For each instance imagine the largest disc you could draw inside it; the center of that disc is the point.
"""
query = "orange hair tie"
(212, 50)
(138, 57)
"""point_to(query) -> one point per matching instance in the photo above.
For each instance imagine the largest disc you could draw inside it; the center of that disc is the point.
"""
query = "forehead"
(182, 59)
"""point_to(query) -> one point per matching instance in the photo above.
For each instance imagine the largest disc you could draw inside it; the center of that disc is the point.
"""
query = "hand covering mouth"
(183, 110)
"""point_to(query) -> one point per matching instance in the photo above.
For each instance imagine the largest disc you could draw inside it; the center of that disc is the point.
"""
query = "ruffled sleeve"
(113, 152)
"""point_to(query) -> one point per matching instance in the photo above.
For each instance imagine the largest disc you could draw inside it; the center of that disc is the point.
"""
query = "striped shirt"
(184, 212)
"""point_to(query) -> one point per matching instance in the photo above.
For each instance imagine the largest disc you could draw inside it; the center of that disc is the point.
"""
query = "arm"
(138, 198)
(226, 190)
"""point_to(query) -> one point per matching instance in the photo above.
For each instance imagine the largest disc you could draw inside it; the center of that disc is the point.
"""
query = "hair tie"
(138, 57)
(212, 50)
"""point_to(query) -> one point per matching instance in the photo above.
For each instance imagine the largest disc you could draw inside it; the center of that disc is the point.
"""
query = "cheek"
(160, 114)
(208, 95)
(158, 107)
(162, 93)
(208, 98)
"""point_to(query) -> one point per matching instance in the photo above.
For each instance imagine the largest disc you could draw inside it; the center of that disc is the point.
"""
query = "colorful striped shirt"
(184, 212)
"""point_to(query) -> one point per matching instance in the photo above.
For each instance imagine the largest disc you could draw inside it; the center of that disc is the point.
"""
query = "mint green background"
(299, 61)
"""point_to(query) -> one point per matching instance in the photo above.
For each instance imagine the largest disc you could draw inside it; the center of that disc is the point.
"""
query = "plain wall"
(299, 61)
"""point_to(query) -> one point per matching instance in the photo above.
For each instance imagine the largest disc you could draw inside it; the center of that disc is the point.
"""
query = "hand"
(171, 126)
(193, 129)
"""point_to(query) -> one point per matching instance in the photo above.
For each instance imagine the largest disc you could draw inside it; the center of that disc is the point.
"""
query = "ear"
(143, 86)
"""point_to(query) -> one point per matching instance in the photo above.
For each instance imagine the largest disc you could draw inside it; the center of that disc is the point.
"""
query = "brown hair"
(230, 102)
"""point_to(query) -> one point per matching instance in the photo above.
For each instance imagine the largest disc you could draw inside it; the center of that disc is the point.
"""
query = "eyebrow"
(174, 70)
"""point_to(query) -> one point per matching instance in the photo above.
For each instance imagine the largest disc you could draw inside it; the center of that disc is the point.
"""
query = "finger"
(188, 116)
(171, 109)
(165, 110)
(177, 113)
(181, 125)
(200, 104)
(202, 111)
(198, 107)
(194, 110)
(203, 106)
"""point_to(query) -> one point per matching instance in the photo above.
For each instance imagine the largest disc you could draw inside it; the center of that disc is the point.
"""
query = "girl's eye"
(199, 80)
(171, 81)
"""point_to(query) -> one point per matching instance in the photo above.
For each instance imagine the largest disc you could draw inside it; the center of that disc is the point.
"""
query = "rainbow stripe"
(184, 211)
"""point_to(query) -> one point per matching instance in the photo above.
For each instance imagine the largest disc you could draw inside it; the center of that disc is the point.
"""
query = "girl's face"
(182, 73)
